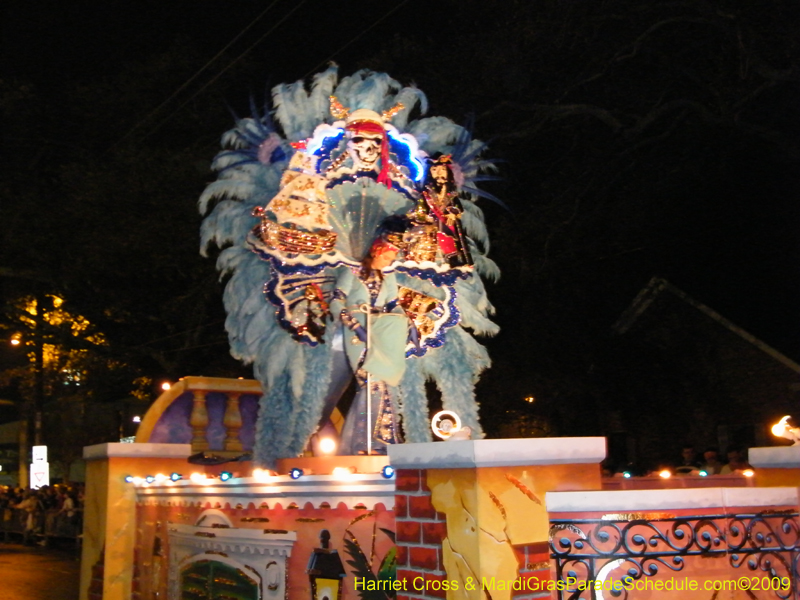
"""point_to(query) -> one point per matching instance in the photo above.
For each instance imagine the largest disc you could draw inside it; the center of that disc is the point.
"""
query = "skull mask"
(364, 148)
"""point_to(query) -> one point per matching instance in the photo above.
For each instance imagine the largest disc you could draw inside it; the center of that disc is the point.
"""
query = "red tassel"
(383, 176)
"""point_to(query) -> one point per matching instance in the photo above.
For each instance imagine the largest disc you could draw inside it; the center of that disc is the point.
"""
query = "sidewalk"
(36, 573)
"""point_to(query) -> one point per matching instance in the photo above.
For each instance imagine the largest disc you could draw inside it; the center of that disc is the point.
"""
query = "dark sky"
(93, 39)
(722, 253)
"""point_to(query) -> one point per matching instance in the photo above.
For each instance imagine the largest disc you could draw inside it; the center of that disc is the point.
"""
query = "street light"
(325, 570)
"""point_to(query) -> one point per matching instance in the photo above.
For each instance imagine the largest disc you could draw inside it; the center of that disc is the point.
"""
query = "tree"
(109, 220)
(64, 378)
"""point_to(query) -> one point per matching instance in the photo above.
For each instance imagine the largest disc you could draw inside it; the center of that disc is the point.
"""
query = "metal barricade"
(46, 524)
(14, 521)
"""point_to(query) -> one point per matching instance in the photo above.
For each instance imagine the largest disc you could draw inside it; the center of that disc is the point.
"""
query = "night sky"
(729, 243)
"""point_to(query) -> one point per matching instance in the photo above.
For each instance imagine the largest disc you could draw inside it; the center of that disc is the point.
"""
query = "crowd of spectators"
(54, 511)
(690, 463)
(710, 463)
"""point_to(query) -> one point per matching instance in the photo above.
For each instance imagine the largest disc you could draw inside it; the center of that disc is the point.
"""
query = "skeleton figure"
(367, 143)
(364, 147)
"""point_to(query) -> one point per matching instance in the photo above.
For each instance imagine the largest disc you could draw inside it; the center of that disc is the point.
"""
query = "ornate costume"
(377, 328)
(299, 208)
(445, 210)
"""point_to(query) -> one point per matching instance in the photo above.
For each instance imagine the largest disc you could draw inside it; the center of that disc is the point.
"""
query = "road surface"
(35, 573)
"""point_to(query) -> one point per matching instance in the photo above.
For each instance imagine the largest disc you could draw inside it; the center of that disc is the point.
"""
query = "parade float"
(355, 252)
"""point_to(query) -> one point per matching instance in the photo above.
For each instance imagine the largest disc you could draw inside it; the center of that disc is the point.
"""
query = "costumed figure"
(309, 315)
(440, 198)
(366, 300)
(319, 291)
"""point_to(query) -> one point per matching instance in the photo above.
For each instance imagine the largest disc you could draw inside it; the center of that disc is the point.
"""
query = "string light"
(343, 472)
(388, 471)
(296, 473)
(262, 475)
(158, 478)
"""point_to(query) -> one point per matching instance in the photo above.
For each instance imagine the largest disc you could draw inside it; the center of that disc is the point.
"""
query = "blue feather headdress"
(283, 156)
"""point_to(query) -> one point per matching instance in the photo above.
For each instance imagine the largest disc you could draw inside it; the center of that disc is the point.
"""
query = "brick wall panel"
(434, 586)
(521, 555)
(407, 480)
(400, 506)
(433, 533)
(420, 507)
(424, 558)
(402, 556)
(408, 531)
(408, 576)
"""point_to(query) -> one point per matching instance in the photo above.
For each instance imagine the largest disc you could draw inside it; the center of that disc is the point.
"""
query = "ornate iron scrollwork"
(586, 551)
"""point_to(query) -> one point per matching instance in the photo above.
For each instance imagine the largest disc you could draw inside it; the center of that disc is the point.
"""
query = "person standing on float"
(376, 331)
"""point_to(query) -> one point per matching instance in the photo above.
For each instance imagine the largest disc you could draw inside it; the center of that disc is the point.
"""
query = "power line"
(356, 38)
(166, 337)
(171, 350)
(218, 75)
(196, 75)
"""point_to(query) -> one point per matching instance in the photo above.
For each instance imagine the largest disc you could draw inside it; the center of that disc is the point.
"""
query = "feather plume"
(455, 368)
(321, 89)
(415, 404)
(409, 97)
(249, 168)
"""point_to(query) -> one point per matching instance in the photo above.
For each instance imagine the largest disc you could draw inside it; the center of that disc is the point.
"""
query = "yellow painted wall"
(110, 519)
(766, 477)
(491, 509)
(94, 520)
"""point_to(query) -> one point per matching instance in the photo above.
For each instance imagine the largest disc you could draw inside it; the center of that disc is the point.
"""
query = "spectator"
(712, 464)
(736, 462)
(688, 462)
(69, 507)
(30, 505)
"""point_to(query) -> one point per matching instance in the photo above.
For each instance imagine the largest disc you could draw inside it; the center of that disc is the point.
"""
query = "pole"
(38, 347)
(24, 454)
(368, 311)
